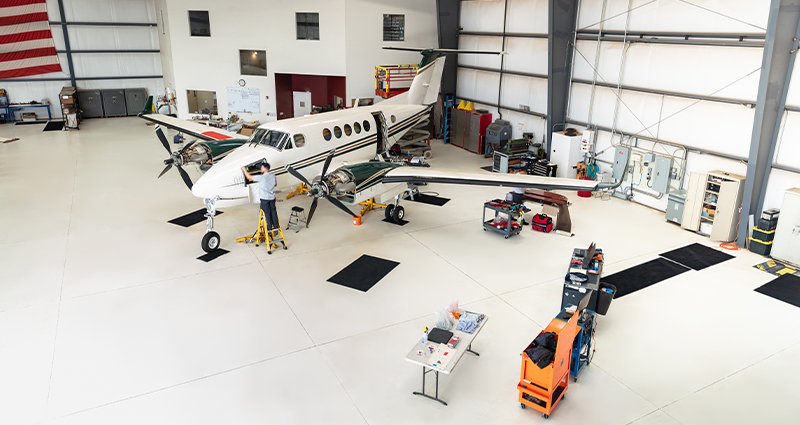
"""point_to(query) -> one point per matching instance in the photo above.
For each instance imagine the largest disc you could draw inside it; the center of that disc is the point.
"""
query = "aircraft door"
(382, 132)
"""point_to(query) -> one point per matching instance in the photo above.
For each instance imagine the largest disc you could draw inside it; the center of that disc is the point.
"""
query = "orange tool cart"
(542, 388)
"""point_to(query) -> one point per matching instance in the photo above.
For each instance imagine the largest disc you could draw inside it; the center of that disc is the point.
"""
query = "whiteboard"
(244, 99)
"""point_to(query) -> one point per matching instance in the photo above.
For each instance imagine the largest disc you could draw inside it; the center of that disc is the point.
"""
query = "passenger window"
(326, 134)
(299, 140)
(393, 118)
(337, 132)
(357, 127)
(347, 130)
(366, 125)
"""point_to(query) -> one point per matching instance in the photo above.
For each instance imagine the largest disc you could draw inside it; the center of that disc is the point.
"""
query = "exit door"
(302, 103)
(381, 131)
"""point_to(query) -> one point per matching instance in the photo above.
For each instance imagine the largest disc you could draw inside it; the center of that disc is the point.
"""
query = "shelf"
(707, 219)
(710, 203)
(712, 191)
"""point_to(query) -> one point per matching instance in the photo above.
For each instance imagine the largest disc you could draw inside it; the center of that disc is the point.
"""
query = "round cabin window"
(326, 134)
(357, 127)
(337, 132)
(348, 130)
(366, 125)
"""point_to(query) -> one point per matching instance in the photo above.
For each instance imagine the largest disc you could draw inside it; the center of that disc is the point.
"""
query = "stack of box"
(764, 233)
(69, 106)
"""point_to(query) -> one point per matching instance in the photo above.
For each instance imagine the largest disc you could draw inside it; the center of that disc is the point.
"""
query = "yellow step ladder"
(264, 235)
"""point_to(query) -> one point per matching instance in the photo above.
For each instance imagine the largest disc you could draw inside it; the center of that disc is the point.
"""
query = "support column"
(448, 13)
(66, 42)
(780, 50)
(562, 16)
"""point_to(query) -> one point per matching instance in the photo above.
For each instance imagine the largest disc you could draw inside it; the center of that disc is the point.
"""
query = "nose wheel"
(210, 241)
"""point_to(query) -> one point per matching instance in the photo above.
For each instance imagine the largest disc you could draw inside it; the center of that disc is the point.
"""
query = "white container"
(705, 228)
(566, 152)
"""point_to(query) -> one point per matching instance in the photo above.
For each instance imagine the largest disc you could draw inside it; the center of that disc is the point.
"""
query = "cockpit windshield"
(266, 137)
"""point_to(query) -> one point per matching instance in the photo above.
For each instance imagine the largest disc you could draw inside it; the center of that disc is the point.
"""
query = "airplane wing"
(201, 131)
(427, 175)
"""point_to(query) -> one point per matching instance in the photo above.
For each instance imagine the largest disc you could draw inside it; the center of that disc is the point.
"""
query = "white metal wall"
(98, 38)
(726, 72)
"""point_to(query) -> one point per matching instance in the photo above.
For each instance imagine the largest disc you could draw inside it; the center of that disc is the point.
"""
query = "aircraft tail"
(148, 107)
(425, 86)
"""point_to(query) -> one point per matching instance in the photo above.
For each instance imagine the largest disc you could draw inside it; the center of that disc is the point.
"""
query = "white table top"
(465, 340)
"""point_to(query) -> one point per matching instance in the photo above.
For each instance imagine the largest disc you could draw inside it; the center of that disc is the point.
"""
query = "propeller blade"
(311, 211)
(340, 205)
(327, 162)
(297, 175)
(163, 138)
(185, 177)
(165, 170)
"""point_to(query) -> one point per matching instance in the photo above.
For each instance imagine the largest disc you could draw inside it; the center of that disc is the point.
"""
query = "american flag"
(26, 44)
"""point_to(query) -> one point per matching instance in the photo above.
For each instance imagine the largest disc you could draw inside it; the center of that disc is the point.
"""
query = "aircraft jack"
(264, 235)
(392, 212)
(301, 188)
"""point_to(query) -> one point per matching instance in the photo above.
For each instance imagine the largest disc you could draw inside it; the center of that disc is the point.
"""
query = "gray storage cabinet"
(114, 103)
(91, 103)
(135, 100)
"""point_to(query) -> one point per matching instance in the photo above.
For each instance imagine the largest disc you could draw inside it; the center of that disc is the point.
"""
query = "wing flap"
(427, 175)
(200, 131)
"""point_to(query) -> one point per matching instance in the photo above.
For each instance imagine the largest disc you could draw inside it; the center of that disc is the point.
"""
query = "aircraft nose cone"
(200, 188)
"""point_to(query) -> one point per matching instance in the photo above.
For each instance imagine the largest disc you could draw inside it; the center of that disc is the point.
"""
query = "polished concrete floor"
(107, 317)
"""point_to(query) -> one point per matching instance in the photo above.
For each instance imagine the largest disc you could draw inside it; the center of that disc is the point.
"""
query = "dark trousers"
(270, 213)
(516, 197)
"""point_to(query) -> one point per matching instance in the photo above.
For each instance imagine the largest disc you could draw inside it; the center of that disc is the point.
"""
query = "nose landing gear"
(211, 239)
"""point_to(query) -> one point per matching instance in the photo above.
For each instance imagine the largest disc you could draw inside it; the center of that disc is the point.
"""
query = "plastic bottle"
(425, 336)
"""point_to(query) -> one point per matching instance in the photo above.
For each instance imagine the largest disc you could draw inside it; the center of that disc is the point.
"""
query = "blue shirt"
(266, 186)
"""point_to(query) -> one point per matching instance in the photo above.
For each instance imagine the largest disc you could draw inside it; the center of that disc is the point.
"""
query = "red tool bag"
(542, 223)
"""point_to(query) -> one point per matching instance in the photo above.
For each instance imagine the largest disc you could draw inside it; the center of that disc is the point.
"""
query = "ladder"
(263, 235)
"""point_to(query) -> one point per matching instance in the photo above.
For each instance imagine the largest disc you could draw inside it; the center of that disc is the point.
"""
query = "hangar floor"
(106, 315)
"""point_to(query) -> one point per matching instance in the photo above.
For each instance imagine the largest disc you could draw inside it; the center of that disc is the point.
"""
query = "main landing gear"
(211, 239)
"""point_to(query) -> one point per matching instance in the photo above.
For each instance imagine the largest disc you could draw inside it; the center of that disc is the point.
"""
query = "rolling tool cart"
(506, 226)
(586, 263)
(545, 365)
(582, 345)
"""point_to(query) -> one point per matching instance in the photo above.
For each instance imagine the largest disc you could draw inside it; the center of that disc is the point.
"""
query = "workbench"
(12, 108)
(464, 345)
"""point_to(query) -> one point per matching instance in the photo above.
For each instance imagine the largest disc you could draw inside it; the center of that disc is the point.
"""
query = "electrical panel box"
(661, 174)
(649, 158)
(621, 156)
(587, 141)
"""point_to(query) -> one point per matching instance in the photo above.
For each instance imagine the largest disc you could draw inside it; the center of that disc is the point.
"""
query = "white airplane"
(300, 150)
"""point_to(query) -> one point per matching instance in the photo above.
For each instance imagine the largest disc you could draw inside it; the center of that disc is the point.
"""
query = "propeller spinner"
(319, 189)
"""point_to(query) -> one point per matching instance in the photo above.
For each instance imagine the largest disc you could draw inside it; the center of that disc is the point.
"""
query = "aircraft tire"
(398, 213)
(388, 211)
(210, 241)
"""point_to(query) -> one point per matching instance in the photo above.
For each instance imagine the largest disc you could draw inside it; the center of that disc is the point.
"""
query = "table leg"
(469, 350)
(425, 372)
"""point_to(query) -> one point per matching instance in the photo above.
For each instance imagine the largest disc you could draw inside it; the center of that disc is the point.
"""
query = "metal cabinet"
(712, 204)
(91, 103)
(114, 103)
(135, 99)
(786, 245)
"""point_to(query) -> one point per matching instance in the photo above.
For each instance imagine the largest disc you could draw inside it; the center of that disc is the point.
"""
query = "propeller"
(319, 190)
(174, 158)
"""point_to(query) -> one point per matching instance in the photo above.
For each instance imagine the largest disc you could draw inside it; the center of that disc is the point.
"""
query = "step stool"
(297, 217)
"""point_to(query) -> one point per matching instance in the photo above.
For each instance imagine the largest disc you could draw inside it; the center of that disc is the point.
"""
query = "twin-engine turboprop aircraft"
(300, 150)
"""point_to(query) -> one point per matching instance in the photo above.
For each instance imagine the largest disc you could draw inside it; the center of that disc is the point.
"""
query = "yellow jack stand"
(370, 205)
(264, 235)
(301, 188)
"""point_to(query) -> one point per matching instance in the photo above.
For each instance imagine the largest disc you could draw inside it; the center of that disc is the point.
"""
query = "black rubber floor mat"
(54, 126)
(29, 122)
(639, 277)
(697, 256)
(364, 273)
(192, 218)
(487, 168)
(431, 200)
(785, 288)
(213, 254)
(401, 223)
